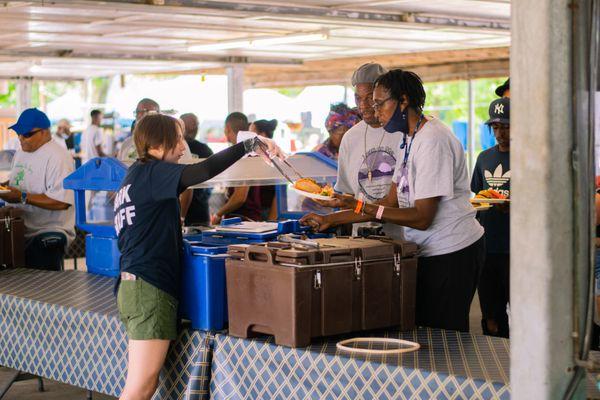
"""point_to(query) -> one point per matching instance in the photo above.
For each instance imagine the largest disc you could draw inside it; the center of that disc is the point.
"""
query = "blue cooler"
(203, 291)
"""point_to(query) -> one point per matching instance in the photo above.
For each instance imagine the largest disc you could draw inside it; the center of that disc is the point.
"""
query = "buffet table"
(64, 326)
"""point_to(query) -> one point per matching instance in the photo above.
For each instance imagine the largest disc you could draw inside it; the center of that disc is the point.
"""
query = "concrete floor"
(27, 390)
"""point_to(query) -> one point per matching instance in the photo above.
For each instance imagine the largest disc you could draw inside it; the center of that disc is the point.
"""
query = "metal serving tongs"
(276, 161)
(299, 240)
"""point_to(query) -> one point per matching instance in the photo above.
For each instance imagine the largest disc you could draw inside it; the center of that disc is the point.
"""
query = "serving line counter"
(64, 326)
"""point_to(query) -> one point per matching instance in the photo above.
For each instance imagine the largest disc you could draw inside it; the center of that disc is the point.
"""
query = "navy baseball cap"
(30, 119)
(499, 111)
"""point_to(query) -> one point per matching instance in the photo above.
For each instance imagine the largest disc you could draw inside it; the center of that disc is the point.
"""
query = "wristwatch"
(23, 197)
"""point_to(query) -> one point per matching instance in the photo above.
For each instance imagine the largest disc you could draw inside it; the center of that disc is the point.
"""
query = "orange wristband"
(359, 205)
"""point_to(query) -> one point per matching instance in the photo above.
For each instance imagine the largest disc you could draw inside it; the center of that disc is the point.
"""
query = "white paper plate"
(482, 207)
(312, 195)
(4, 191)
(489, 201)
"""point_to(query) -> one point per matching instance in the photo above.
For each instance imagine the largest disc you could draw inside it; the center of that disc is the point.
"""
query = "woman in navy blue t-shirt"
(147, 221)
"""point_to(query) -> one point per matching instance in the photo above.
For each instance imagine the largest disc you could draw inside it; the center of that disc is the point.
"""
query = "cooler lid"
(248, 227)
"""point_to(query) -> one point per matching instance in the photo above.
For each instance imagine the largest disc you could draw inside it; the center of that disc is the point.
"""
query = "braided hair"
(404, 83)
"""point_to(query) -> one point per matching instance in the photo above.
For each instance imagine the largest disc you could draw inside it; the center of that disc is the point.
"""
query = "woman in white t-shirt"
(429, 197)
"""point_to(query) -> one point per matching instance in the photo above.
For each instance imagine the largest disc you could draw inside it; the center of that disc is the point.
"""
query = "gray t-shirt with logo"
(365, 149)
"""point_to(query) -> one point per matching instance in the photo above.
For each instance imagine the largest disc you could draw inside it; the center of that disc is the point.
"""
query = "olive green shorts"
(147, 312)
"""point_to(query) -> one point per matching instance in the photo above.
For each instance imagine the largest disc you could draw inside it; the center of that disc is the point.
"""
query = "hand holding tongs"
(275, 162)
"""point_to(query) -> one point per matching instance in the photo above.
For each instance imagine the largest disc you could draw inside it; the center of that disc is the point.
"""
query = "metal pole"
(23, 86)
(542, 236)
(471, 127)
(235, 88)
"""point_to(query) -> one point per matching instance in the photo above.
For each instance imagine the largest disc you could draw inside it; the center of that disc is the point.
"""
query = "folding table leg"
(18, 376)
(12, 379)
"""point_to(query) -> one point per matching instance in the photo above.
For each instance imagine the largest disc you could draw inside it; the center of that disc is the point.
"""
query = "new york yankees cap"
(499, 111)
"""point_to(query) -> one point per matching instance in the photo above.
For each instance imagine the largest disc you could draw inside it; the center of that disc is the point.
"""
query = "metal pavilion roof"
(79, 39)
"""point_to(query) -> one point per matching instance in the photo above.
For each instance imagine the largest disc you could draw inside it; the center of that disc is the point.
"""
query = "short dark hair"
(155, 130)
(237, 121)
(404, 83)
(94, 113)
(265, 127)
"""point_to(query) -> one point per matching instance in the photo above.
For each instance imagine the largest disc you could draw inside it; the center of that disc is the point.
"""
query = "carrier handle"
(262, 252)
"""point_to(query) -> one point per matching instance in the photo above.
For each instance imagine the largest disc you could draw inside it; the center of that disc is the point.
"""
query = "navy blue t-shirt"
(147, 221)
(492, 170)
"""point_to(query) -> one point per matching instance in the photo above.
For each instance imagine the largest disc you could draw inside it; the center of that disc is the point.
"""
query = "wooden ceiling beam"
(429, 73)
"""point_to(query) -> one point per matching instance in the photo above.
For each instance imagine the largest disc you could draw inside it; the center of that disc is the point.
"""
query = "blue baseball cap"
(30, 119)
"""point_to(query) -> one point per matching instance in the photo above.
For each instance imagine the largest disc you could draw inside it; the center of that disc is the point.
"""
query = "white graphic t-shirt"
(437, 167)
(43, 172)
(357, 158)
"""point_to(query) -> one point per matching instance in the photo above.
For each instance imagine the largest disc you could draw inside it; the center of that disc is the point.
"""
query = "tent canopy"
(80, 39)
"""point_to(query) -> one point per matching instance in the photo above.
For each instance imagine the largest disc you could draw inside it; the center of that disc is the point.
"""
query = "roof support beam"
(62, 54)
(335, 15)
(429, 73)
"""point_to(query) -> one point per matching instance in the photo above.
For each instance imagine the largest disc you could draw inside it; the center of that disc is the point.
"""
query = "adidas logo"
(497, 179)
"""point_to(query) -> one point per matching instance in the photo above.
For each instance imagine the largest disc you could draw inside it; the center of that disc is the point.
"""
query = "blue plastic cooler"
(204, 294)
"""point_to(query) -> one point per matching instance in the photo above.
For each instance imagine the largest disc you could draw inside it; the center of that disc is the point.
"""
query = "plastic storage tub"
(204, 294)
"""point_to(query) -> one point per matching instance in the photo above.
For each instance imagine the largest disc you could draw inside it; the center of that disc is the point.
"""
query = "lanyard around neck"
(407, 148)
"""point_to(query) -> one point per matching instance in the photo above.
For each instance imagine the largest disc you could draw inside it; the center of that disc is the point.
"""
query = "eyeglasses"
(378, 104)
(31, 133)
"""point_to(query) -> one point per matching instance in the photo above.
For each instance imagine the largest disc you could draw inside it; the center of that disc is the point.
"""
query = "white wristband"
(379, 212)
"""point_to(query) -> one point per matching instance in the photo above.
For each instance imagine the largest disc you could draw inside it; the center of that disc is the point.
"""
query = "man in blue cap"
(492, 171)
(36, 186)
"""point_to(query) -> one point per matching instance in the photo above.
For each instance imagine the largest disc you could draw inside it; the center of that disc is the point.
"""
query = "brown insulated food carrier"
(297, 293)
(12, 238)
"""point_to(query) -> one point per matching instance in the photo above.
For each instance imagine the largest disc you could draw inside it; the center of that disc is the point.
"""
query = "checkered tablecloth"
(65, 326)
(449, 365)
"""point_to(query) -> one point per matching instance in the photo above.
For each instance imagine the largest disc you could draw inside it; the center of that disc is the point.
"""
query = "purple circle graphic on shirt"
(382, 162)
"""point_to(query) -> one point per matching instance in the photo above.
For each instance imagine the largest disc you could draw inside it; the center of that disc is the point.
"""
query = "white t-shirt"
(91, 138)
(365, 148)
(43, 172)
(437, 167)
(60, 140)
